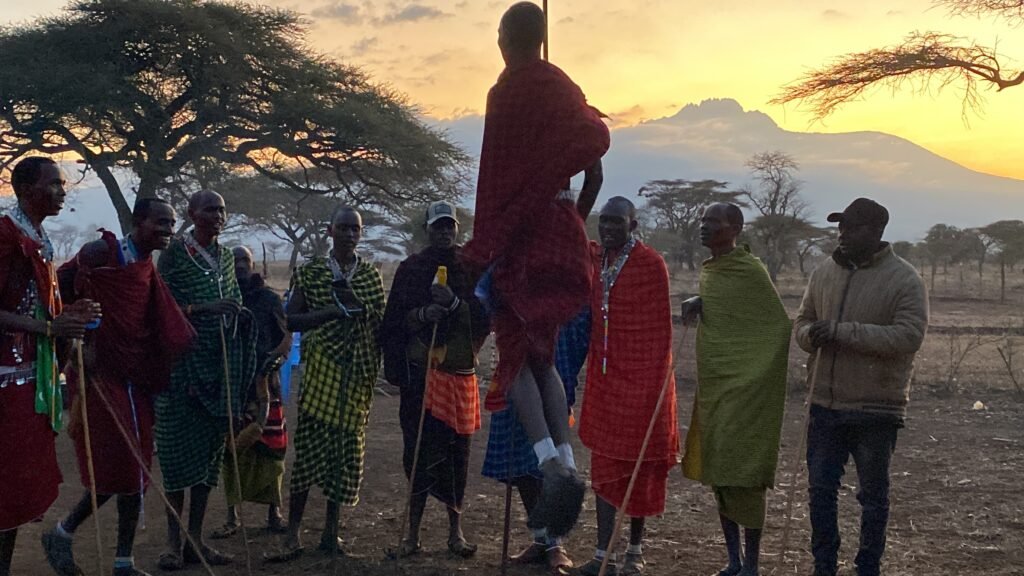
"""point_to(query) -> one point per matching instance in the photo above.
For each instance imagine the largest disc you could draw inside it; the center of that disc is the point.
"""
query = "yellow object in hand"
(441, 278)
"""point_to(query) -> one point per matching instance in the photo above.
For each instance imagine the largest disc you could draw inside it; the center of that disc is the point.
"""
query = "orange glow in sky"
(643, 59)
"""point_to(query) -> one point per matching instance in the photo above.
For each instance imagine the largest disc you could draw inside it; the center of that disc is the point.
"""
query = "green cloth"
(191, 414)
(742, 358)
(342, 362)
(261, 473)
(49, 399)
(342, 357)
(744, 506)
(201, 370)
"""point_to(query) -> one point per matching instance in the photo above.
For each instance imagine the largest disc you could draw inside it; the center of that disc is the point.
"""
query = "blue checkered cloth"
(509, 451)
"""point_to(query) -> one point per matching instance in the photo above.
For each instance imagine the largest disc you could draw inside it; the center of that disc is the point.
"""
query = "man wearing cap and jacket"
(422, 310)
(863, 318)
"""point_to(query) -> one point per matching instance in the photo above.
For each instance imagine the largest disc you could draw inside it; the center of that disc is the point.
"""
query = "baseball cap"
(862, 211)
(441, 209)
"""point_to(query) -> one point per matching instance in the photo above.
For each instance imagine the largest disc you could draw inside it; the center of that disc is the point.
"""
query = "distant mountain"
(713, 139)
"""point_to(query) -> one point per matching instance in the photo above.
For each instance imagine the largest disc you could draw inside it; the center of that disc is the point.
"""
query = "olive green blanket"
(742, 358)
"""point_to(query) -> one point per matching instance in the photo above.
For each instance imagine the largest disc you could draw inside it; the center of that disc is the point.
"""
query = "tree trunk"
(294, 259)
(1002, 281)
(933, 277)
(124, 212)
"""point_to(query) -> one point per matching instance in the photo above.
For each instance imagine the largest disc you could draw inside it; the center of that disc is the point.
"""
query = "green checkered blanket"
(342, 357)
(201, 371)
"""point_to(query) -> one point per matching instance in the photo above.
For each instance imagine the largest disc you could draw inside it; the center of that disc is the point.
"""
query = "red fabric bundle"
(142, 333)
(538, 133)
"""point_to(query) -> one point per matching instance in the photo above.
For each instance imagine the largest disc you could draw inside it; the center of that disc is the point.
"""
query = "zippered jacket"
(881, 313)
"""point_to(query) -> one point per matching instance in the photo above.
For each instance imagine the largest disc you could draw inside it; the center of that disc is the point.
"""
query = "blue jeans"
(832, 437)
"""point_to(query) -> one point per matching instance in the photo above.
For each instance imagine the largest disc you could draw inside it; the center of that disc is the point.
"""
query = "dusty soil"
(958, 505)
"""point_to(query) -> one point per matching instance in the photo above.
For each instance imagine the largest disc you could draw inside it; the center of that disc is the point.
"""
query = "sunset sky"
(643, 59)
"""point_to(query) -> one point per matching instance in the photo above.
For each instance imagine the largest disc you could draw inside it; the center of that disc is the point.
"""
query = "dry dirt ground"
(957, 500)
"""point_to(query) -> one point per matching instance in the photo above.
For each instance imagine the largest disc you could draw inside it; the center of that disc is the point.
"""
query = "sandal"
(409, 548)
(228, 530)
(170, 562)
(558, 561)
(286, 554)
(461, 549)
(59, 554)
(532, 554)
(212, 557)
(326, 548)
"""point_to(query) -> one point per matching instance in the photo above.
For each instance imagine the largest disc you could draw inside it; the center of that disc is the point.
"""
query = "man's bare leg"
(542, 411)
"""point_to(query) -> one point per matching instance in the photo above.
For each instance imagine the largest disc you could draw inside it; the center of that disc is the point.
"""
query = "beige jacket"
(881, 310)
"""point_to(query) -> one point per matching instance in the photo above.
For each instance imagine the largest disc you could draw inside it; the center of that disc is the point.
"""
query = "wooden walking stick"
(621, 515)
(546, 28)
(797, 459)
(88, 452)
(510, 445)
(442, 279)
(133, 448)
(234, 449)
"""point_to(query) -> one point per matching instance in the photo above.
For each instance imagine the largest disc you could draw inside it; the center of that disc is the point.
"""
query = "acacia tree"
(677, 205)
(939, 246)
(810, 240)
(775, 194)
(934, 59)
(1007, 236)
(153, 86)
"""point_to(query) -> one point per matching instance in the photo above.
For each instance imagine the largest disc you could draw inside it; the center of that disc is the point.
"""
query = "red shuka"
(618, 403)
(29, 476)
(142, 333)
(538, 133)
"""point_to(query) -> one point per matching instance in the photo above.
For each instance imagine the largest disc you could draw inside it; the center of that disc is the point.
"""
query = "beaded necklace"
(608, 277)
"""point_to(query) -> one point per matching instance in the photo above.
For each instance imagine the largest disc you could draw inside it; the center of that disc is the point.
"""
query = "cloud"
(365, 45)
(567, 20)
(339, 11)
(414, 13)
(835, 15)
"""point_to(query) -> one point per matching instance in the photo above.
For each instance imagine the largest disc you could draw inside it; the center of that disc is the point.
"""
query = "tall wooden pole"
(547, 28)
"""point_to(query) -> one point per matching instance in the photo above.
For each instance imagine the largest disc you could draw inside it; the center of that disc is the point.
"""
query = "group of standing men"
(176, 355)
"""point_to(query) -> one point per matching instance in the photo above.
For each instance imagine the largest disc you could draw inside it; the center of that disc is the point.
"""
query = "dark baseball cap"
(862, 211)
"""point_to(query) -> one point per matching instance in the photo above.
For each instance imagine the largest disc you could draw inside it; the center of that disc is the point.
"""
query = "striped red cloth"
(538, 133)
(618, 403)
(455, 400)
(610, 478)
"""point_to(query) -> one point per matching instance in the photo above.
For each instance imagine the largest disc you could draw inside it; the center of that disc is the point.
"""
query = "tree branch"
(1010, 10)
(930, 56)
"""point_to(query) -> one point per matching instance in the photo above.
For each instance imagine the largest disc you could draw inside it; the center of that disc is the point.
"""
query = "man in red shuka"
(128, 360)
(539, 131)
(31, 318)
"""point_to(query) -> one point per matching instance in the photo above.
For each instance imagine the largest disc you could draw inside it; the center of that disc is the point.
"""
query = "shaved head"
(346, 212)
(242, 252)
(620, 205)
(522, 29)
(202, 198)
